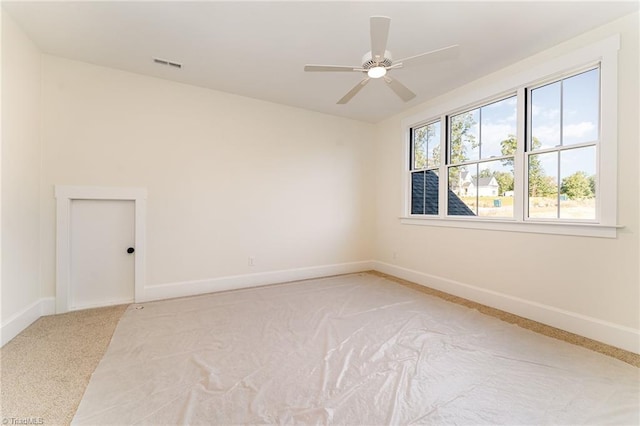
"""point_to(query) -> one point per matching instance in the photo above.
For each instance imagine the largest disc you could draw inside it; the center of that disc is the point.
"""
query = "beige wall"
(594, 277)
(21, 73)
(227, 177)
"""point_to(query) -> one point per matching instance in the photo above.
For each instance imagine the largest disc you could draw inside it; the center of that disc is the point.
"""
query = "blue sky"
(567, 113)
(562, 113)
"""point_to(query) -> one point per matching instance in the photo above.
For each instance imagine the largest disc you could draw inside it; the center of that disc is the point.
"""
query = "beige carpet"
(45, 369)
(355, 349)
(621, 354)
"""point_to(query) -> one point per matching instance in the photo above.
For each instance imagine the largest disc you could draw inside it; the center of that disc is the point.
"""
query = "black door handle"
(130, 250)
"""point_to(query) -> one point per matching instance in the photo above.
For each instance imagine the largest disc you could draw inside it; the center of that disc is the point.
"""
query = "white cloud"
(492, 135)
(545, 113)
(583, 131)
(548, 136)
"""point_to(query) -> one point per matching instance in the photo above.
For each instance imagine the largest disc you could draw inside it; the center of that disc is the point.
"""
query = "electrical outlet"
(395, 254)
(251, 261)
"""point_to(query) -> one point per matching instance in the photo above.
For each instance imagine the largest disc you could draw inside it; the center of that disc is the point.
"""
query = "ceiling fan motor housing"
(368, 62)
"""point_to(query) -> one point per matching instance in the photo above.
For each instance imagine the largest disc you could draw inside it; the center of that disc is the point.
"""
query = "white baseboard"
(192, 288)
(23, 319)
(612, 334)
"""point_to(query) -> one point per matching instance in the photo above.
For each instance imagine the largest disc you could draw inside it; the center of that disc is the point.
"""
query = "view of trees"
(540, 185)
(576, 186)
(461, 139)
(421, 157)
(478, 162)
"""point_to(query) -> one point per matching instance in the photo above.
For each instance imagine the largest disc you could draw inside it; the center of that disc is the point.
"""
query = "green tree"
(508, 147)
(485, 173)
(461, 139)
(540, 185)
(505, 181)
(577, 186)
(422, 136)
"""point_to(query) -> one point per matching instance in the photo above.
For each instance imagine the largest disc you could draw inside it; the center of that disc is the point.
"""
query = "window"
(529, 159)
(564, 121)
(481, 148)
(425, 161)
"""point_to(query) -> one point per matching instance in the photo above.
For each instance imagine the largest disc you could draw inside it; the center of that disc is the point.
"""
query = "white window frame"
(448, 164)
(529, 152)
(604, 52)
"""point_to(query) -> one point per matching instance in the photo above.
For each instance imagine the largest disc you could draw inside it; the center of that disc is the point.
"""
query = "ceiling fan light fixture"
(376, 72)
(378, 61)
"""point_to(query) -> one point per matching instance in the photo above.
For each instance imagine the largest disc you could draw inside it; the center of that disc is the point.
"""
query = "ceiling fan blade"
(331, 68)
(400, 89)
(433, 56)
(346, 98)
(379, 35)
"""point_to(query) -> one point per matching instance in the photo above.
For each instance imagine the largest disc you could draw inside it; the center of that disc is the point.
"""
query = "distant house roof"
(487, 181)
(427, 182)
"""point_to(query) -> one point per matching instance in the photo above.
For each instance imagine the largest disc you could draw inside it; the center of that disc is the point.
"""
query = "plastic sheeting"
(355, 349)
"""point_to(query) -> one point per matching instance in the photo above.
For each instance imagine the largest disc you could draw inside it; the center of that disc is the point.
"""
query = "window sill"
(574, 229)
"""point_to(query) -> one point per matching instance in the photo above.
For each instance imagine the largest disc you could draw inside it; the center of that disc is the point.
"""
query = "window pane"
(419, 148)
(417, 193)
(464, 137)
(424, 192)
(580, 108)
(578, 183)
(462, 197)
(426, 146)
(495, 189)
(543, 185)
(433, 150)
(497, 125)
(545, 116)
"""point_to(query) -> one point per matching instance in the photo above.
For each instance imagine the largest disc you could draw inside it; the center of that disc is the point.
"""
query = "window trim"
(604, 52)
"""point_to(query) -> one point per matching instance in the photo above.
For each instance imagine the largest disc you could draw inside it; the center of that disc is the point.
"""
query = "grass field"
(539, 207)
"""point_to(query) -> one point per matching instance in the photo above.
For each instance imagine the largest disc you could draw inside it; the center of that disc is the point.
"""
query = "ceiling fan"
(379, 61)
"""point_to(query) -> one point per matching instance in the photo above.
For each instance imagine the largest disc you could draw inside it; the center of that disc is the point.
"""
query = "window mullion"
(560, 148)
(484, 160)
(566, 147)
(520, 191)
(443, 179)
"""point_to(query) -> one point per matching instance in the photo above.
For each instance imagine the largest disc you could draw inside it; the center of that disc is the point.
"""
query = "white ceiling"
(259, 49)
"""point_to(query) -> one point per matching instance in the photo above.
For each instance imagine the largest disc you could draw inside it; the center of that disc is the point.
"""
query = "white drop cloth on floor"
(355, 349)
